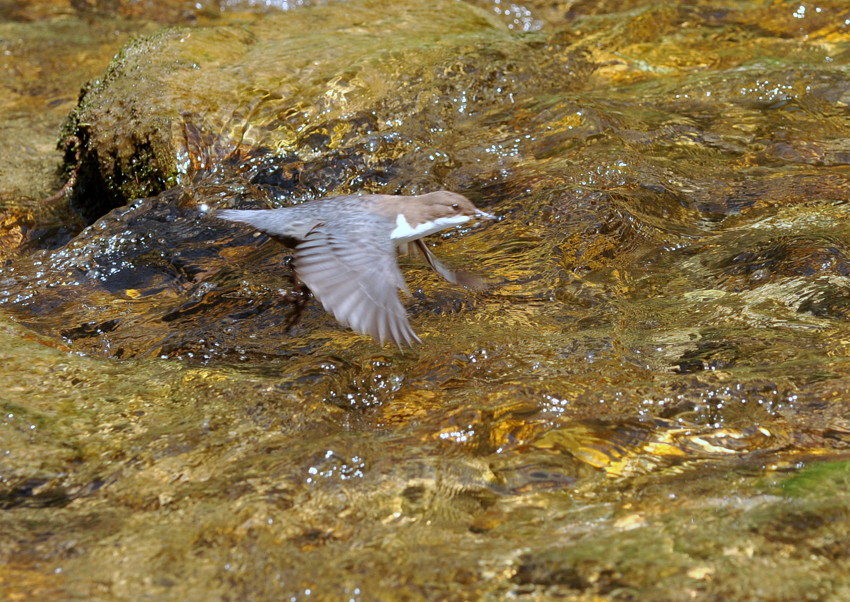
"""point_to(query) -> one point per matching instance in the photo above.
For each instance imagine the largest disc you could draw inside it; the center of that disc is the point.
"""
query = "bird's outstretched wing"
(461, 277)
(356, 278)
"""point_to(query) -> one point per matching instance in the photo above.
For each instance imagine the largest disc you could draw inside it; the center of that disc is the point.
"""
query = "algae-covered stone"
(304, 83)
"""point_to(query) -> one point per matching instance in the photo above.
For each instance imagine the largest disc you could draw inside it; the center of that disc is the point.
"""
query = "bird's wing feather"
(356, 278)
(461, 277)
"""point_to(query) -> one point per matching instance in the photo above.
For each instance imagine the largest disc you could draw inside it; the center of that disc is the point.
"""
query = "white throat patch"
(404, 232)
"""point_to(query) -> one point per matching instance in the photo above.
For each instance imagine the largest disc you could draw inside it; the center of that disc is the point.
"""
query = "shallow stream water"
(647, 403)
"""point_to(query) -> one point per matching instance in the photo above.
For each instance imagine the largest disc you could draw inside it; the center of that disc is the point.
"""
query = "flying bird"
(346, 251)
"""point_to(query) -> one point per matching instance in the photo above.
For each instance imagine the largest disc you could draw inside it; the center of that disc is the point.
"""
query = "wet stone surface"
(648, 402)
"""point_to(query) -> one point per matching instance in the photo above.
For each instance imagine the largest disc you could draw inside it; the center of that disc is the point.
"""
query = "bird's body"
(346, 247)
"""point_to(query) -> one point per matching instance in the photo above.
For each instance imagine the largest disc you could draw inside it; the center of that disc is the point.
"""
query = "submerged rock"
(316, 99)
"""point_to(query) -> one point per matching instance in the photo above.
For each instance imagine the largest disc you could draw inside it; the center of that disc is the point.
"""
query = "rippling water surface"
(647, 403)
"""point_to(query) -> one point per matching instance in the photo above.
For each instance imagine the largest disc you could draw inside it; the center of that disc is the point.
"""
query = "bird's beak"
(483, 215)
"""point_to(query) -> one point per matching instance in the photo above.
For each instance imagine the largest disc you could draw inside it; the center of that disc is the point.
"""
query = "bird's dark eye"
(455, 206)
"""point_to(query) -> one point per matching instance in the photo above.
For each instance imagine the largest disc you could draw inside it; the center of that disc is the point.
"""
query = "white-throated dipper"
(346, 246)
